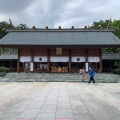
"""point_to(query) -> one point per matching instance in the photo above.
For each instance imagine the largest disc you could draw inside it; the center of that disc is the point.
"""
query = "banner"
(25, 59)
(59, 59)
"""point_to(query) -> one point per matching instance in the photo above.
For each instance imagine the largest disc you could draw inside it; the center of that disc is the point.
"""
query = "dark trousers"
(91, 79)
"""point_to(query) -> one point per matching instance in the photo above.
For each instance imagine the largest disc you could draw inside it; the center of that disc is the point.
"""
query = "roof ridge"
(62, 30)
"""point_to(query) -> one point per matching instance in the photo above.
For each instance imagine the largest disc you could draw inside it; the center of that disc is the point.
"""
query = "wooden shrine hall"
(59, 50)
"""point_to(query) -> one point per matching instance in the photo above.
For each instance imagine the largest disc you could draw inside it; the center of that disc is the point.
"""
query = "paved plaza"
(59, 101)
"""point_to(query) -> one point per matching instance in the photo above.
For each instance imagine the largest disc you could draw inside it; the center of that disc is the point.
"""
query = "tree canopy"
(104, 24)
(4, 25)
(112, 24)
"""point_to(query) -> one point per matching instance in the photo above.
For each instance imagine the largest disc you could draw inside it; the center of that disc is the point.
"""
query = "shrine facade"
(59, 50)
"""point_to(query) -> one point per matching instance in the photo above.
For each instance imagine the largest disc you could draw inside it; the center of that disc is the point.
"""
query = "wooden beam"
(32, 55)
(70, 61)
(86, 55)
(48, 62)
(100, 55)
(18, 61)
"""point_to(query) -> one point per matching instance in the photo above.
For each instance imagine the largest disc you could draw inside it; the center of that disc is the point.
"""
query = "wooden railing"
(75, 70)
(39, 70)
(59, 69)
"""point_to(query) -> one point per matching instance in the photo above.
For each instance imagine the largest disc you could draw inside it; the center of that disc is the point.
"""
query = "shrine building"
(59, 50)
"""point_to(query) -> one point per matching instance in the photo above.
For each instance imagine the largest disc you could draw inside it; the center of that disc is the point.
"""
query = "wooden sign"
(58, 51)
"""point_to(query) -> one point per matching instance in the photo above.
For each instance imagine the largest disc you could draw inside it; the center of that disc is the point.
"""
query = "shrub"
(116, 71)
(4, 69)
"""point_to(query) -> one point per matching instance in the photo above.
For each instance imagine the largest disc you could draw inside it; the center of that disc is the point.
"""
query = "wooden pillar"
(48, 60)
(32, 55)
(86, 55)
(18, 61)
(96, 67)
(100, 55)
(70, 61)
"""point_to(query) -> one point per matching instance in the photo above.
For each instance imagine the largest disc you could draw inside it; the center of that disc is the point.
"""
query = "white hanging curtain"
(40, 59)
(93, 59)
(78, 59)
(25, 59)
(59, 59)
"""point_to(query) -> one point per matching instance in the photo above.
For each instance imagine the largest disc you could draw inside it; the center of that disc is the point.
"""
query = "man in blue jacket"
(91, 73)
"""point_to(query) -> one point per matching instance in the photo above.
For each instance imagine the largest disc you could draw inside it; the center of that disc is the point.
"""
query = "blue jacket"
(91, 72)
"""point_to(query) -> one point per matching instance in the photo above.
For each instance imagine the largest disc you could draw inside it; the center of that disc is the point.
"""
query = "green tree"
(116, 24)
(4, 25)
(113, 24)
(22, 26)
(101, 22)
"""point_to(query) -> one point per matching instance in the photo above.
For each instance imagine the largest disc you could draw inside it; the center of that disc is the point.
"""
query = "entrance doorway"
(76, 66)
(40, 67)
(95, 65)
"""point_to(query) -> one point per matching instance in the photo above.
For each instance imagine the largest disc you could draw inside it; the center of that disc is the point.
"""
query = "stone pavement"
(59, 101)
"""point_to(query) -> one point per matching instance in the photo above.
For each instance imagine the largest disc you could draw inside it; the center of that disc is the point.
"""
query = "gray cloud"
(58, 12)
(8, 6)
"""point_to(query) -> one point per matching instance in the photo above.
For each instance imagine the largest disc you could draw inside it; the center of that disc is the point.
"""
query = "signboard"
(86, 67)
(31, 66)
(93, 59)
(59, 59)
(58, 51)
(25, 59)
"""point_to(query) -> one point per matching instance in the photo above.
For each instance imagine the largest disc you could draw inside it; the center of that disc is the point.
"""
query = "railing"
(59, 69)
(39, 70)
(75, 70)
(26, 69)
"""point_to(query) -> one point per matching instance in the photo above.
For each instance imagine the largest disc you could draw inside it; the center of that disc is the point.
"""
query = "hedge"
(116, 71)
(4, 69)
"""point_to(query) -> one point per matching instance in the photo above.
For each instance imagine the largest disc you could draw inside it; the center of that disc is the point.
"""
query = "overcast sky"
(58, 12)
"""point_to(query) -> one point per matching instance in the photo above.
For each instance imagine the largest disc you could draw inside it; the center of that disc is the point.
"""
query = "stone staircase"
(57, 77)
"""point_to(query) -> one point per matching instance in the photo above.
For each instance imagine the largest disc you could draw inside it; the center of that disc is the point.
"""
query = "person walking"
(82, 73)
(91, 73)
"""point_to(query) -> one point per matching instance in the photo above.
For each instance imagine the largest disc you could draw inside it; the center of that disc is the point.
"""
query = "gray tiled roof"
(8, 56)
(111, 56)
(60, 38)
